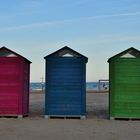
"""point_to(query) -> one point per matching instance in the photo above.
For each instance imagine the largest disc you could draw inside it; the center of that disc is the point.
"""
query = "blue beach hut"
(65, 84)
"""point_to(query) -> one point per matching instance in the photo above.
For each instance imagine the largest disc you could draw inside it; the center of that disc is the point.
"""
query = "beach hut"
(14, 83)
(124, 76)
(65, 84)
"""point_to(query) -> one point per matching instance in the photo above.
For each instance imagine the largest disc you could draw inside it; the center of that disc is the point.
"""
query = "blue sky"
(96, 28)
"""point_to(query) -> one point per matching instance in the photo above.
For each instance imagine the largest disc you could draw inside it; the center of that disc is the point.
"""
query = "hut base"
(124, 119)
(12, 116)
(64, 117)
(20, 116)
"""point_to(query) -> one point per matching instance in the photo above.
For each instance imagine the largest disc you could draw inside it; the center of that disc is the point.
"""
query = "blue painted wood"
(65, 86)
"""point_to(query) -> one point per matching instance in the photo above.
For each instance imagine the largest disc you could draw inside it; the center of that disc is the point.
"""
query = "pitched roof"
(131, 51)
(66, 50)
(13, 53)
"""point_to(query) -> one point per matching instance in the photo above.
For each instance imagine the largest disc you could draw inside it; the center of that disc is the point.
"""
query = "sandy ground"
(95, 127)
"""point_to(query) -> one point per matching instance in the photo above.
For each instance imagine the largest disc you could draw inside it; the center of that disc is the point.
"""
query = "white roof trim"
(11, 55)
(67, 55)
(128, 55)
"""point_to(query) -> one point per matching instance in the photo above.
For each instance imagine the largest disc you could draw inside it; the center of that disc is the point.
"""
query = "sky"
(97, 29)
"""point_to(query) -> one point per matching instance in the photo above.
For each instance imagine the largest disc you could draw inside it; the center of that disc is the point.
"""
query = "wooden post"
(99, 87)
(42, 83)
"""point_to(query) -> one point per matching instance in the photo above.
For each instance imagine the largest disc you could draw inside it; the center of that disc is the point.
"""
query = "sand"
(95, 127)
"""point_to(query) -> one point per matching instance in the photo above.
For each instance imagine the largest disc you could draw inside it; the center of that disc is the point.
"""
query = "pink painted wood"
(14, 83)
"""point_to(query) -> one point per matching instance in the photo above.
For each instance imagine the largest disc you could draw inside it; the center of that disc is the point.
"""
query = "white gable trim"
(128, 55)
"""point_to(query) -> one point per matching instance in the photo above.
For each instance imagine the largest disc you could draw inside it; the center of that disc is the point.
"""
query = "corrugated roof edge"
(123, 52)
(4, 48)
(66, 47)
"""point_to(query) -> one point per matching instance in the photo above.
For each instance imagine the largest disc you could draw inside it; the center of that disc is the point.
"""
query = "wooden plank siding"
(65, 86)
(124, 98)
(13, 97)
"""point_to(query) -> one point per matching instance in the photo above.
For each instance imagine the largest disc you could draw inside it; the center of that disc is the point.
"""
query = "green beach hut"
(124, 77)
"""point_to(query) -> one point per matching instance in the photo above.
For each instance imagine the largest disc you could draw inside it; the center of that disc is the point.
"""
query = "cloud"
(56, 23)
(105, 39)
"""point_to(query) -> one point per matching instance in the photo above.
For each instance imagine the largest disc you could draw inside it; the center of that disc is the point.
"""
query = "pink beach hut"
(14, 83)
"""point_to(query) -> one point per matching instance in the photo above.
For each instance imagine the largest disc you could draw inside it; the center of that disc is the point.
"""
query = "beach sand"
(95, 127)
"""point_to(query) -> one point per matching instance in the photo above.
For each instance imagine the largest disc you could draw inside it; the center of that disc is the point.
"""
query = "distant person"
(104, 86)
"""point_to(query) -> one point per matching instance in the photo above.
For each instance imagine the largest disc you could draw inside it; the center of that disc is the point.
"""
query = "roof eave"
(119, 54)
(15, 53)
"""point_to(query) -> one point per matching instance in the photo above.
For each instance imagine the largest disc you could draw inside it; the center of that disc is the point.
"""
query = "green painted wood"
(124, 98)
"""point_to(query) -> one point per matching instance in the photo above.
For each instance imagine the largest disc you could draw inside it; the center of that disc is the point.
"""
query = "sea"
(89, 85)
